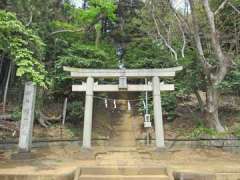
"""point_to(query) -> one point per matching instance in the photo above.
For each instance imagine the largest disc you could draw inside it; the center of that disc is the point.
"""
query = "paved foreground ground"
(67, 160)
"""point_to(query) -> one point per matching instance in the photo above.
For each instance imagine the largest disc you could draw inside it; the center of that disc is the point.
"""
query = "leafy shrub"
(231, 83)
(202, 131)
(16, 114)
(22, 46)
(169, 104)
(75, 111)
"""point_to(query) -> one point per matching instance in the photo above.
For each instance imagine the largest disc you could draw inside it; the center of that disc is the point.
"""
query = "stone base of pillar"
(23, 156)
(85, 149)
(87, 154)
(160, 149)
(20, 150)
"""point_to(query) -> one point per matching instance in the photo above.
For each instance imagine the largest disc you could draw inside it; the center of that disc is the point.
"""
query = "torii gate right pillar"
(157, 107)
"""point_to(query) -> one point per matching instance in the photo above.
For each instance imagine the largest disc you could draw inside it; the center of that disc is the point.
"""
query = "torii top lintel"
(132, 73)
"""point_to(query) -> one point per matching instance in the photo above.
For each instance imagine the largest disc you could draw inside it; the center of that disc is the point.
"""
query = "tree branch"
(223, 60)
(220, 7)
(30, 19)
(238, 11)
(205, 64)
(179, 16)
(181, 23)
(162, 37)
(183, 36)
(64, 31)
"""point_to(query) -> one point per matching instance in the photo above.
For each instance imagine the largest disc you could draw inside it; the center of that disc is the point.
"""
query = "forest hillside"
(39, 37)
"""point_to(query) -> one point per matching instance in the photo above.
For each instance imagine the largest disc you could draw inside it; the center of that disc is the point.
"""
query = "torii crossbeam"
(122, 74)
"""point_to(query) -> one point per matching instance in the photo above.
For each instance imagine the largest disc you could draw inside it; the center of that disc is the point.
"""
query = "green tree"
(200, 27)
(20, 47)
(23, 47)
(97, 13)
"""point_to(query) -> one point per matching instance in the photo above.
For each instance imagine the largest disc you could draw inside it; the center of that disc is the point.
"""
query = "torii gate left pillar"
(87, 130)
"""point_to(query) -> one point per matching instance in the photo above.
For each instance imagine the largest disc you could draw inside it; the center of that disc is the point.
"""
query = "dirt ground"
(122, 150)
(60, 159)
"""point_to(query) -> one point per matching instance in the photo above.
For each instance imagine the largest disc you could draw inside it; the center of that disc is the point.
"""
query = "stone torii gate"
(122, 74)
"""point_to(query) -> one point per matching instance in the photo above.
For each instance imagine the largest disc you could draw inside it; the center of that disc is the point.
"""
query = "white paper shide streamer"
(129, 106)
(114, 104)
(144, 104)
(106, 103)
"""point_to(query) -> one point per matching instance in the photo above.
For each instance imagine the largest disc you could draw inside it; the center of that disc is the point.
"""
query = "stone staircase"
(124, 132)
(122, 159)
(123, 173)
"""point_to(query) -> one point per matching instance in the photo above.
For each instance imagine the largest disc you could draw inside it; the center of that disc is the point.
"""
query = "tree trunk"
(200, 101)
(98, 36)
(1, 75)
(1, 63)
(223, 63)
(6, 87)
(211, 111)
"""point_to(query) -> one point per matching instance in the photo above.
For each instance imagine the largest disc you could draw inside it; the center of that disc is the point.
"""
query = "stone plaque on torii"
(122, 74)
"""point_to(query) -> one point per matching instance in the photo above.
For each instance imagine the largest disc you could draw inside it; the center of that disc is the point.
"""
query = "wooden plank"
(111, 73)
(64, 110)
(114, 88)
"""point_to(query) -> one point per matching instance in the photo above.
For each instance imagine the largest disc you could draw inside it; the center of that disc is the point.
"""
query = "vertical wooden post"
(64, 110)
(87, 129)
(158, 120)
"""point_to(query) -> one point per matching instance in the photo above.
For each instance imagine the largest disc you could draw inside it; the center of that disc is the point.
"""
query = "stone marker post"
(158, 120)
(26, 128)
(87, 127)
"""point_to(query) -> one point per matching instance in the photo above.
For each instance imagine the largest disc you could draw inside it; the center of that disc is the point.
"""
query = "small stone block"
(23, 156)
(161, 149)
(87, 154)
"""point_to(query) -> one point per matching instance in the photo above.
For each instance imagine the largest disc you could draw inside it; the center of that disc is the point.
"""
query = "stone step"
(129, 171)
(35, 177)
(123, 177)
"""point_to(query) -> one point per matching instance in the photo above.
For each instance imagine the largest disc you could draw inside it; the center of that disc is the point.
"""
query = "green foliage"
(231, 83)
(84, 56)
(202, 132)
(169, 104)
(145, 53)
(92, 18)
(75, 111)
(16, 114)
(97, 10)
(23, 47)
(87, 56)
(236, 131)
(77, 49)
